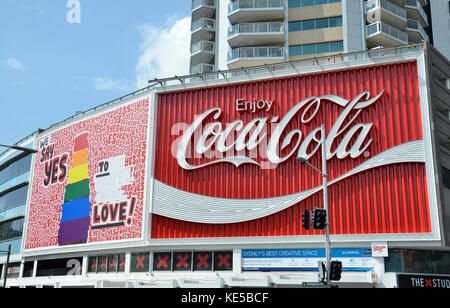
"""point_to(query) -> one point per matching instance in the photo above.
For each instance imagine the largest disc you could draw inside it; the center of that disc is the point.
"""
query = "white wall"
(353, 25)
(222, 26)
(441, 26)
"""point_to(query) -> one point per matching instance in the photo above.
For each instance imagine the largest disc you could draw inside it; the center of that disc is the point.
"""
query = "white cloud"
(165, 52)
(14, 63)
(104, 84)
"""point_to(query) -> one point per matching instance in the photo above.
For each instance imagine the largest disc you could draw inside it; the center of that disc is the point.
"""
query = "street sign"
(313, 284)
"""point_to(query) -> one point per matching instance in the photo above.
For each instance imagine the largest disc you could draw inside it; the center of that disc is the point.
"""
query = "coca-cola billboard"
(227, 157)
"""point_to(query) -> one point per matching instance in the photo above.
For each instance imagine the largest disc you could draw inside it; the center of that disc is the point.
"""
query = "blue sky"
(50, 68)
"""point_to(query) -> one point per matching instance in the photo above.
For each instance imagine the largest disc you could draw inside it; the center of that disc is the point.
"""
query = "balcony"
(414, 10)
(385, 11)
(251, 56)
(203, 9)
(255, 10)
(203, 29)
(252, 34)
(202, 52)
(415, 31)
(202, 68)
(381, 34)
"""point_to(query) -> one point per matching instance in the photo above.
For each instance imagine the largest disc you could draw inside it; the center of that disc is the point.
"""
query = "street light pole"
(26, 150)
(325, 203)
(324, 174)
(6, 265)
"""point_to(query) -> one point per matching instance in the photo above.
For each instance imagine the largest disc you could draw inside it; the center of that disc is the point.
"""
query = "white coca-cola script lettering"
(254, 133)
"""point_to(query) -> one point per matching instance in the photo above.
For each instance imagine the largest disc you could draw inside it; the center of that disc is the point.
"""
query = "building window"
(59, 267)
(162, 261)
(140, 262)
(182, 261)
(303, 3)
(16, 168)
(223, 260)
(92, 264)
(203, 261)
(28, 269)
(11, 229)
(111, 264)
(446, 177)
(13, 270)
(418, 261)
(315, 24)
(193, 261)
(14, 198)
(310, 49)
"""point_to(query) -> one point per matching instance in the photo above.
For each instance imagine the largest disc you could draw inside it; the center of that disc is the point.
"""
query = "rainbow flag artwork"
(76, 210)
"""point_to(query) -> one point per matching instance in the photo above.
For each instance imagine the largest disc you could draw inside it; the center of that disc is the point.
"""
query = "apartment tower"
(230, 34)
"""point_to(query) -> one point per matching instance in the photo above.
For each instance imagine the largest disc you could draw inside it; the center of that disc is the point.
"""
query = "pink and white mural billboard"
(89, 179)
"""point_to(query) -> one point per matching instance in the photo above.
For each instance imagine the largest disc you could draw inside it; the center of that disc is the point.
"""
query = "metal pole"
(325, 203)
(6, 266)
(26, 150)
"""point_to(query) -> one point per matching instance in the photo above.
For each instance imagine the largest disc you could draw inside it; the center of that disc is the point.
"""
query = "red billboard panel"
(226, 159)
(89, 179)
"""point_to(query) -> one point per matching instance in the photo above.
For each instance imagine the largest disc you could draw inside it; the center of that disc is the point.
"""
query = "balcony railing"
(202, 68)
(415, 4)
(196, 4)
(255, 53)
(202, 46)
(204, 23)
(392, 8)
(415, 25)
(380, 27)
(257, 28)
(254, 4)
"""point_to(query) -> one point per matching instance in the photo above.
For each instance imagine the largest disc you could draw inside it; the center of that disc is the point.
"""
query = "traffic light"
(335, 270)
(322, 271)
(319, 219)
(306, 219)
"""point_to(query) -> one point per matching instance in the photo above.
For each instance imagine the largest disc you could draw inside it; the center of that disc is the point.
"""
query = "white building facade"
(233, 34)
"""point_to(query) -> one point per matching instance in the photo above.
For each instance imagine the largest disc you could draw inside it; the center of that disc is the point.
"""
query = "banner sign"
(353, 259)
(423, 281)
(88, 182)
(228, 159)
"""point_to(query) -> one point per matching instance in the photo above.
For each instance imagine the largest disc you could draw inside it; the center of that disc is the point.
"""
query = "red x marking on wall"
(223, 260)
(121, 262)
(203, 261)
(113, 263)
(140, 262)
(182, 261)
(103, 262)
(162, 262)
(428, 283)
